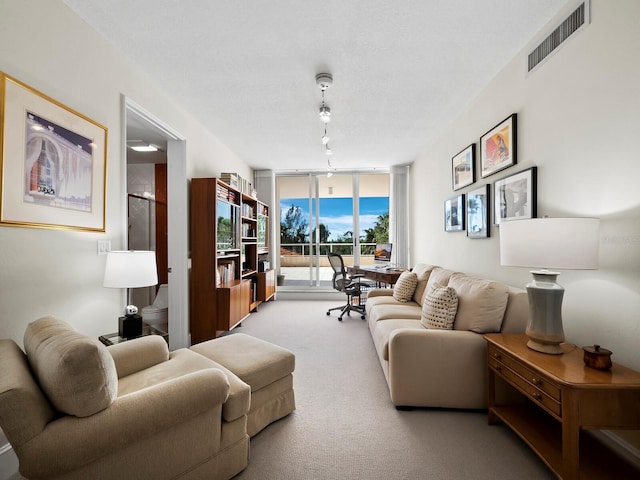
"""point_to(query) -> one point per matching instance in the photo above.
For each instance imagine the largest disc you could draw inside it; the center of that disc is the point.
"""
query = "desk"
(564, 398)
(379, 275)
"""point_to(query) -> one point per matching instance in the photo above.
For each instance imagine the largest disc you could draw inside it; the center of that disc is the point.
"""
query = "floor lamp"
(130, 269)
(559, 243)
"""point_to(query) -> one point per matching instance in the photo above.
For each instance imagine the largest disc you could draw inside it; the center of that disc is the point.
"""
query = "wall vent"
(578, 19)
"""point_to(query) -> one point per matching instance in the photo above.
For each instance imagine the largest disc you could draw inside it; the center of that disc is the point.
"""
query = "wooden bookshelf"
(225, 283)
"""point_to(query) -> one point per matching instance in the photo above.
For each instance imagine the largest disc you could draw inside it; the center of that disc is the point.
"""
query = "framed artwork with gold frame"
(53, 162)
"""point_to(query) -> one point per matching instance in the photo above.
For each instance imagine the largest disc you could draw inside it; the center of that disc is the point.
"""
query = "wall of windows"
(319, 214)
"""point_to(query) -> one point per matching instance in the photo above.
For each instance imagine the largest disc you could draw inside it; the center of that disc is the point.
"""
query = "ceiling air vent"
(575, 21)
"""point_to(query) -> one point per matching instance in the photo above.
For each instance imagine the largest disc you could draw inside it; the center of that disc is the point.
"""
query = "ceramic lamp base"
(544, 329)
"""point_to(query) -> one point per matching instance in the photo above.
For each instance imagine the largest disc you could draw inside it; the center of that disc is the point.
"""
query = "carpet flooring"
(345, 426)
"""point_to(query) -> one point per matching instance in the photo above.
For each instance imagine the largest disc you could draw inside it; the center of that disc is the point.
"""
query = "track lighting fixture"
(324, 81)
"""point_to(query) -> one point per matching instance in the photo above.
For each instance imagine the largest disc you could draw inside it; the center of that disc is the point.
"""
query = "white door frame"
(177, 221)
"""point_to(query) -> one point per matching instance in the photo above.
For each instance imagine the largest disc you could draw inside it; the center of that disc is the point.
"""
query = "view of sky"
(337, 213)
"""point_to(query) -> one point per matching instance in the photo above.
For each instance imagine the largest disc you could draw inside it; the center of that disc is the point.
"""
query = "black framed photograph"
(478, 201)
(454, 214)
(498, 147)
(515, 196)
(463, 171)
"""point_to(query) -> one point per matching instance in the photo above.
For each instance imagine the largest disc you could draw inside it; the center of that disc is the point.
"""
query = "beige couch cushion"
(422, 271)
(481, 303)
(382, 332)
(182, 362)
(439, 275)
(405, 286)
(410, 310)
(76, 372)
(380, 300)
(439, 307)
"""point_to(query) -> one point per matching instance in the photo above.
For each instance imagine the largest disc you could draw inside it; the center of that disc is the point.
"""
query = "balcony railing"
(298, 254)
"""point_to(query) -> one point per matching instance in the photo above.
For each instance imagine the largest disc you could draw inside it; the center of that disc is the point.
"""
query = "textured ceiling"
(246, 69)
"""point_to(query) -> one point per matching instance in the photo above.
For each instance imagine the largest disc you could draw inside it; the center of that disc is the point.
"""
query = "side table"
(561, 398)
(114, 338)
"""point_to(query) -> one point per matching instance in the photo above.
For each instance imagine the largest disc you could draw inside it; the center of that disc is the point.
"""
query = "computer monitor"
(382, 253)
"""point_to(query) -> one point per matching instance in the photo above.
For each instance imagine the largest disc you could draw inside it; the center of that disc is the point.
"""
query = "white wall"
(578, 121)
(46, 46)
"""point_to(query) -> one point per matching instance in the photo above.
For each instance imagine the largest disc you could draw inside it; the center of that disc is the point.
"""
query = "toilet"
(156, 314)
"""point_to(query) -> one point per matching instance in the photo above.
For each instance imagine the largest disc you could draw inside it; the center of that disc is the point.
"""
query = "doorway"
(150, 176)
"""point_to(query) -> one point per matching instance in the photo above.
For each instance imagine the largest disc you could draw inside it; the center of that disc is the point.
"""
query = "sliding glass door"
(343, 213)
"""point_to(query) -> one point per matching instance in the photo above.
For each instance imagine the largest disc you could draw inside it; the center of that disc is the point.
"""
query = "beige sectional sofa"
(433, 367)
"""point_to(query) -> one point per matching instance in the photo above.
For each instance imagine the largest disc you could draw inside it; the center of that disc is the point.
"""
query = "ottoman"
(265, 367)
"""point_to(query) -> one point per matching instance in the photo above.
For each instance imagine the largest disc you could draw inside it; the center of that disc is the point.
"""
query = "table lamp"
(562, 243)
(130, 269)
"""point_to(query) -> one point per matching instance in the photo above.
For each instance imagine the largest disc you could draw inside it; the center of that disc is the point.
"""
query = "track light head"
(325, 114)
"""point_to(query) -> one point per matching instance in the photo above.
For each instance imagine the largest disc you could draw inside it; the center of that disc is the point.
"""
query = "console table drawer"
(534, 379)
(531, 391)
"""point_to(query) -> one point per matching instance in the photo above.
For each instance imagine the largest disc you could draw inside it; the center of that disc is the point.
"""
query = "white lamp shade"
(563, 243)
(130, 269)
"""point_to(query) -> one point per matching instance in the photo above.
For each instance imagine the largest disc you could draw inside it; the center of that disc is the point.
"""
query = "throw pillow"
(76, 372)
(439, 307)
(481, 303)
(405, 286)
(422, 270)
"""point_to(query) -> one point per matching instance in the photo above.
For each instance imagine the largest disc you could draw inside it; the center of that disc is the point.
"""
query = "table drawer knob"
(536, 395)
(497, 355)
(536, 381)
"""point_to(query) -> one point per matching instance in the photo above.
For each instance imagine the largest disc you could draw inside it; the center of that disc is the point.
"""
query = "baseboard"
(623, 448)
(309, 294)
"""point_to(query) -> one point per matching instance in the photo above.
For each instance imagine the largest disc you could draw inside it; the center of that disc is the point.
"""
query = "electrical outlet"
(104, 246)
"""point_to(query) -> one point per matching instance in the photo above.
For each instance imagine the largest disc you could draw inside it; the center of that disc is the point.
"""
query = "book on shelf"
(226, 272)
(236, 181)
(230, 179)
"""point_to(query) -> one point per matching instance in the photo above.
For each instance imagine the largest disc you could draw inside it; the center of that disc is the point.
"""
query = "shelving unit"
(225, 282)
(266, 275)
(249, 232)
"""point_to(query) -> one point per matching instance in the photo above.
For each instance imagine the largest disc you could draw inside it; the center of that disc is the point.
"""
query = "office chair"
(350, 285)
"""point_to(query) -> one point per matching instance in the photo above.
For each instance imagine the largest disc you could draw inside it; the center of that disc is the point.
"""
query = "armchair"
(75, 409)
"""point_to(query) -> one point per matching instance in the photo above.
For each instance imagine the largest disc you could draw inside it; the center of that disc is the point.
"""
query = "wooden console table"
(562, 397)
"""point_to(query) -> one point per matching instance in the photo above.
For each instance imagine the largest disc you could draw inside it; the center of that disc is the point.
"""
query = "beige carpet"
(345, 426)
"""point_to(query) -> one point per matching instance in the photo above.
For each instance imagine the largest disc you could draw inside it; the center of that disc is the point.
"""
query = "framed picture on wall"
(53, 163)
(463, 171)
(515, 196)
(454, 214)
(478, 201)
(498, 147)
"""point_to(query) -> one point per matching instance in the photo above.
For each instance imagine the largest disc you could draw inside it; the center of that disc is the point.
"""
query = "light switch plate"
(104, 246)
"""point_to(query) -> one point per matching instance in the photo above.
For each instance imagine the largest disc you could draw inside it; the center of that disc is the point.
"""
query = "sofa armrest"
(437, 368)
(138, 354)
(380, 292)
(70, 442)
